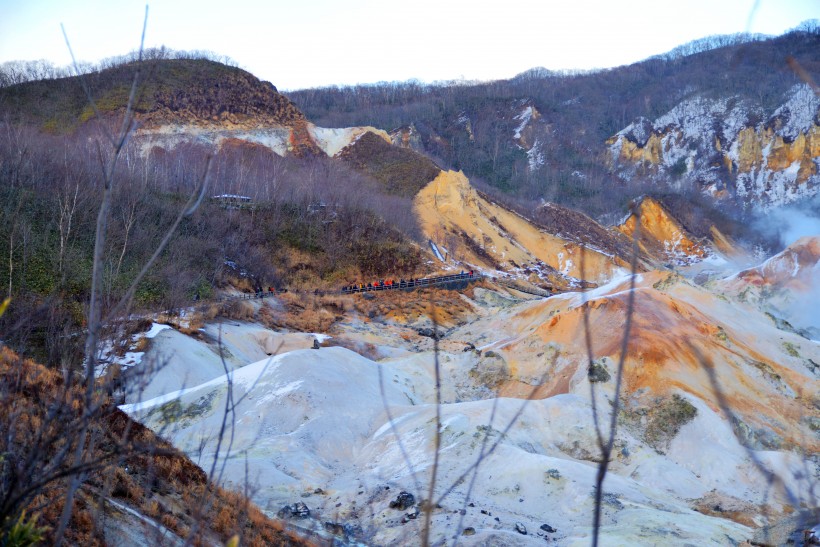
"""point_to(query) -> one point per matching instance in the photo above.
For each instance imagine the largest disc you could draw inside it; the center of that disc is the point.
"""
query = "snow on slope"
(333, 140)
(176, 361)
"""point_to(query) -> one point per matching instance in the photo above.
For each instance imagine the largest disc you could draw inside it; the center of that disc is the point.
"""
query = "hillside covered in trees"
(543, 135)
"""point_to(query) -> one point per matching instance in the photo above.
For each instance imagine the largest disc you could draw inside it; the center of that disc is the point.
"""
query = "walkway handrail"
(415, 283)
(402, 285)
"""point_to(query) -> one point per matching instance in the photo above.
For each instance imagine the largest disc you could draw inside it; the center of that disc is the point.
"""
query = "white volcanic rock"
(320, 419)
(728, 146)
(276, 138)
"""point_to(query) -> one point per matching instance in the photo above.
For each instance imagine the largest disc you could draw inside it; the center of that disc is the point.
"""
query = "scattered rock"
(520, 528)
(598, 373)
(403, 501)
(812, 536)
(430, 333)
(491, 370)
(613, 501)
(296, 510)
(469, 347)
(469, 531)
(756, 439)
(413, 515)
(319, 491)
(548, 529)
(316, 344)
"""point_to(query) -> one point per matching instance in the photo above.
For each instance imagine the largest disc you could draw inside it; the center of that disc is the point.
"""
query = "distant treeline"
(18, 72)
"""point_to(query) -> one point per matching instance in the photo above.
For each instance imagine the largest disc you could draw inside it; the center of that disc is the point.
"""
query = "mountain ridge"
(561, 154)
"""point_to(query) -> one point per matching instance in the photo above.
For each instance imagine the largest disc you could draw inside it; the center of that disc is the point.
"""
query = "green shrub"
(24, 532)
(665, 420)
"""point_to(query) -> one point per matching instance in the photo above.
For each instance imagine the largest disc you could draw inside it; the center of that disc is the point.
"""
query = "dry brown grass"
(133, 466)
(405, 307)
(306, 312)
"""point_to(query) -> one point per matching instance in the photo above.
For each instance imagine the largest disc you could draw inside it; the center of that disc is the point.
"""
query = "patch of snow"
(155, 329)
(435, 250)
(525, 116)
(535, 158)
(799, 111)
(640, 130)
(333, 140)
(166, 534)
(243, 377)
(231, 196)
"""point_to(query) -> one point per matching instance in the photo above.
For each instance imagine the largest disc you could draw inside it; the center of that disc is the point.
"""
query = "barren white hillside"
(279, 139)
(715, 397)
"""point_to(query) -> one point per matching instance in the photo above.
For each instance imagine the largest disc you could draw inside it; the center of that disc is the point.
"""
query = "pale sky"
(308, 43)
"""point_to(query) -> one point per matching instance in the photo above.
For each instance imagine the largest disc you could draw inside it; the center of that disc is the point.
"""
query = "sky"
(297, 44)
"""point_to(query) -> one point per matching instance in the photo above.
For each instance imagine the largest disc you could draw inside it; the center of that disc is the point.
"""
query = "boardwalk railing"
(414, 283)
(394, 285)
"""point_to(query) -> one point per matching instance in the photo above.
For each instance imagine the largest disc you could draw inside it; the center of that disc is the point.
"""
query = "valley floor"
(715, 397)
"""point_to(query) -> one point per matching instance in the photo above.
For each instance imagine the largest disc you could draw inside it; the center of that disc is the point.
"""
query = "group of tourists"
(383, 285)
(261, 292)
(380, 285)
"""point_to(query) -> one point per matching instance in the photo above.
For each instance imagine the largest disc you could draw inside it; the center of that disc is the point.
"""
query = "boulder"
(296, 510)
(403, 501)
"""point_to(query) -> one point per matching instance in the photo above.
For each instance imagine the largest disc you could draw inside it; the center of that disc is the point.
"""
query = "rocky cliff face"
(728, 148)
(200, 93)
(457, 217)
(661, 235)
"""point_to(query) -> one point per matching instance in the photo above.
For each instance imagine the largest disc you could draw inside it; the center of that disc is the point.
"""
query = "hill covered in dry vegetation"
(136, 489)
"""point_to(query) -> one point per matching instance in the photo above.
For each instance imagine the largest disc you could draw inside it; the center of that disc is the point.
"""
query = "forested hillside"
(542, 135)
(312, 222)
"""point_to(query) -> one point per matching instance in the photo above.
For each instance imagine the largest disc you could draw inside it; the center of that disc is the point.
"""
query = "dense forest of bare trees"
(470, 126)
(343, 221)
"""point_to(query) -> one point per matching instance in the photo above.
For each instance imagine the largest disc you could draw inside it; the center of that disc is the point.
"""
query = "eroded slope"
(473, 229)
